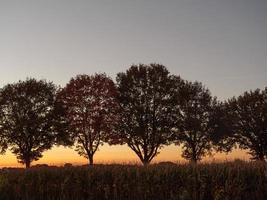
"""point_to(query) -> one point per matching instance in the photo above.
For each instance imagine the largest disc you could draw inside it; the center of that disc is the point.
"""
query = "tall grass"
(235, 180)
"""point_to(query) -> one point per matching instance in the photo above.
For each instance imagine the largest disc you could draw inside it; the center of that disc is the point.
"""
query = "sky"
(223, 44)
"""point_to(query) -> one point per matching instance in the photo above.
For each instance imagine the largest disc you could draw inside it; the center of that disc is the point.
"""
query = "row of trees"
(146, 109)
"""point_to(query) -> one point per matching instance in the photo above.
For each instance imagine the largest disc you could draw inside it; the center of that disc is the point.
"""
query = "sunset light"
(133, 99)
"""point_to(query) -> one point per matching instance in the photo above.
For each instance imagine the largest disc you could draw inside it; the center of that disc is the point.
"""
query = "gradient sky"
(222, 43)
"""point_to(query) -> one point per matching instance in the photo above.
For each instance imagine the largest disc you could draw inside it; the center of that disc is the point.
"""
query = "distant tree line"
(146, 109)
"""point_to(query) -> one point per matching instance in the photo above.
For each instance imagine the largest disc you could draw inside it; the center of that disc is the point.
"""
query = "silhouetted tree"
(248, 114)
(195, 124)
(3, 143)
(221, 123)
(91, 110)
(144, 96)
(29, 119)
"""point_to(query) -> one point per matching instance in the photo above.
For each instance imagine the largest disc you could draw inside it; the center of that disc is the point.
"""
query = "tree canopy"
(3, 144)
(194, 121)
(146, 109)
(91, 109)
(248, 117)
(29, 119)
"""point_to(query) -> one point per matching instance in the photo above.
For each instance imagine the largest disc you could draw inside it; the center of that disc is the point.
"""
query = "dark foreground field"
(236, 180)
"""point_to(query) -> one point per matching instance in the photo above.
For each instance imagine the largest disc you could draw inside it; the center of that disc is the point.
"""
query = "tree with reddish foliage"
(91, 109)
(146, 109)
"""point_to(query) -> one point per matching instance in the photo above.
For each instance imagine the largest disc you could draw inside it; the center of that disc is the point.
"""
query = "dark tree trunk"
(194, 156)
(91, 160)
(27, 163)
(145, 162)
(194, 161)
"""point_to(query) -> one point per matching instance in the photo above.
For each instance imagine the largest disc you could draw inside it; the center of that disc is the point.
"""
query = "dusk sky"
(222, 43)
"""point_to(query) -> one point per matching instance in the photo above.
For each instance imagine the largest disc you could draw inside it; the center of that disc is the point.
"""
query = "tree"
(144, 97)
(221, 124)
(248, 114)
(29, 119)
(91, 111)
(195, 122)
(3, 144)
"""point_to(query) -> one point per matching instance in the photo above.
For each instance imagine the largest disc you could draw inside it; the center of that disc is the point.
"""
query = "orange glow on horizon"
(113, 154)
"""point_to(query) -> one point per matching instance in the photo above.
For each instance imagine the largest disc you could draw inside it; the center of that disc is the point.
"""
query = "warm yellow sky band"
(112, 154)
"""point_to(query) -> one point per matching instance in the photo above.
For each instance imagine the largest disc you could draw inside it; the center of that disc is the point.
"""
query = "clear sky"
(222, 43)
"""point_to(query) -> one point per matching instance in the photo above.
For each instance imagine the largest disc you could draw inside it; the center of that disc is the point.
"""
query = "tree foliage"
(149, 108)
(248, 114)
(3, 144)
(29, 119)
(144, 96)
(91, 111)
(194, 121)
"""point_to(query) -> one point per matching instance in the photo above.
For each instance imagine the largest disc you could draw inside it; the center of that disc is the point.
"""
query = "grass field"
(233, 180)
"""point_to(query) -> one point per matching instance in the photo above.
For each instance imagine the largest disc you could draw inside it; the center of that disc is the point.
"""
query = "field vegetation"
(232, 180)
